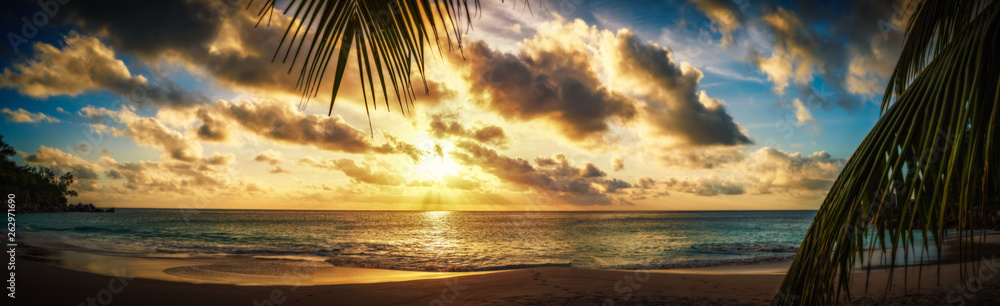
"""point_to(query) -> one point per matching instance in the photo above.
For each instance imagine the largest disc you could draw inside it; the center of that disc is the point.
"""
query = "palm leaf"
(930, 161)
(388, 38)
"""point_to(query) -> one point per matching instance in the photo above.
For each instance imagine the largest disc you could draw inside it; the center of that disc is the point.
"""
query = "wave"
(749, 248)
(81, 229)
(363, 256)
(427, 267)
(712, 263)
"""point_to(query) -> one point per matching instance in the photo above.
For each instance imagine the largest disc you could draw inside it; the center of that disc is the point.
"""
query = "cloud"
(148, 132)
(546, 81)
(673, 105)
(704, 158)
(618, 164)
(705, 186)
(190, 22)
(795, 56)
(151, 132)
(877, 45)
(277, 169)
(725, 16)
(85, 64)
(23, 116)
(802, 114)
(555, 175)
(173, 176)
(366, 172)
(211, 128)
(590, 170)
(220, 39)
(461, 183)
(764, 171)
(283, 123)
(83, 171)
(776, 170)
(448, 125)
(216, 159)
(269, 156)
(853, 54)
(55, 158)
(555, 78)
(214, 37)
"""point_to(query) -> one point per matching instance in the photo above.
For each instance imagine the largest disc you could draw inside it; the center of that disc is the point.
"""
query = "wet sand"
(50, 277)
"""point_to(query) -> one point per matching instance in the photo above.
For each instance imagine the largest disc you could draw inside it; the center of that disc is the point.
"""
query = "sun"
(436, 164)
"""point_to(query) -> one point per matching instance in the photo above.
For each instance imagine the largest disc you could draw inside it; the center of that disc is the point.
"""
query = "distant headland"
(37, 188)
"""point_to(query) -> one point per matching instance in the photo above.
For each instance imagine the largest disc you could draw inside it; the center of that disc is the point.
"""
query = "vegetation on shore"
(36, 188)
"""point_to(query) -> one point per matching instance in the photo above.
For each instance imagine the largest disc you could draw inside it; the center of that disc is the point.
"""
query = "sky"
(555, 105)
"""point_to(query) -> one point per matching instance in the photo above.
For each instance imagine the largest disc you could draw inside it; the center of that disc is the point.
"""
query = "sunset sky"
(580, 105)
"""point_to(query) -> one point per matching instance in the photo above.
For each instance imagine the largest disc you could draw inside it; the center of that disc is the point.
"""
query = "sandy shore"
(49, 277)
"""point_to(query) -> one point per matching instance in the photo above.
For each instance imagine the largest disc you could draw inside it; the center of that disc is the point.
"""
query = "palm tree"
(929, 162)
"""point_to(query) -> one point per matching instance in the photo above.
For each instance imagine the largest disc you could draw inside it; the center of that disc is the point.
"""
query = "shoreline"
(58, 246)
(238, 281)
(533, 286)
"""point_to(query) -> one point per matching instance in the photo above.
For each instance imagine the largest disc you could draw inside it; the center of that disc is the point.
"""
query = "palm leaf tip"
(929, 162)
(388, 38)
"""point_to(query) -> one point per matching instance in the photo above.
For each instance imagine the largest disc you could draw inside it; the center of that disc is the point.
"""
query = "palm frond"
(929, 162)
(388, 38)
(930, 29)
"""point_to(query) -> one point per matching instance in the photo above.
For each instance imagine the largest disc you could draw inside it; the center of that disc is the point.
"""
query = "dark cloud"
(151, 27)
(558, 85)
(220, 159)
(223, 39)
(675, 106)
(854, 52)
(555, 176)
(269, 156)
(211, 128)
(645, 183)
(618, 164)
(589, 170)
(614, 184)
(799, 52)
(448, 125)
(85, 64)
(218, 36)
(281, 122)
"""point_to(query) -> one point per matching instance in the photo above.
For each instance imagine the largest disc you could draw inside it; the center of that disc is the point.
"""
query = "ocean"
(433, 240)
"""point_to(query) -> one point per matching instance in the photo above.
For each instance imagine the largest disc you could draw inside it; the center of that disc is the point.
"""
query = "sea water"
(433, 240)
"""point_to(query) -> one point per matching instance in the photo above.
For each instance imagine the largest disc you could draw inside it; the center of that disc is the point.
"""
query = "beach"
(56, 277)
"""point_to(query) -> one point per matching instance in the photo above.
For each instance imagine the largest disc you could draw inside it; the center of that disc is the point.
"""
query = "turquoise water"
(433, 241)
